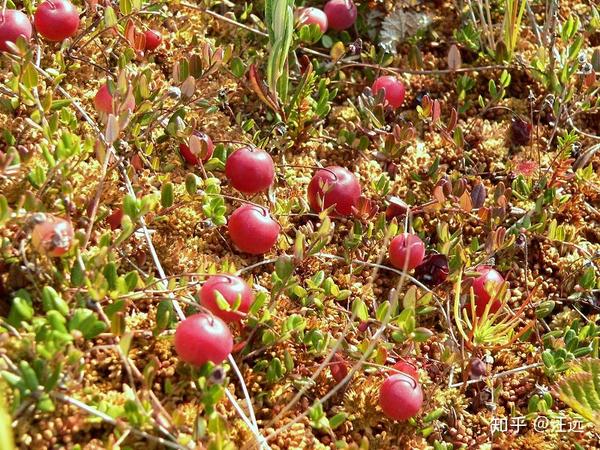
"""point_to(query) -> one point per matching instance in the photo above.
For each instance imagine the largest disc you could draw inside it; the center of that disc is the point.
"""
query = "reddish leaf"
(338, 367)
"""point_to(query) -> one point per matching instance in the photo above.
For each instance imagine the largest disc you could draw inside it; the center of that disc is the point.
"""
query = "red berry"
(13, 24)
(341, 14)
(393, 90)
(233, 289)
(520, 132)
(433, 270)
(202, 338)
(56, 20)
(53, 236)
(250, 170)
(396, 208)
(485, 287)
(407, 251)
(407, 368)
(253, 230)
(190, 156)
(103, 101)
(334, 186)
(311, 15)
(153, 40)
(400, 397)
(114, 220)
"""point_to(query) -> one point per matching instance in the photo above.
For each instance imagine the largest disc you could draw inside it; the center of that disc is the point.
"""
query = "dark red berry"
(334, 185)
(433, 270)
(520, 132)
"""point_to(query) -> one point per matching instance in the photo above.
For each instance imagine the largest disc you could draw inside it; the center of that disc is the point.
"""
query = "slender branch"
(499, 375)
(106, 418)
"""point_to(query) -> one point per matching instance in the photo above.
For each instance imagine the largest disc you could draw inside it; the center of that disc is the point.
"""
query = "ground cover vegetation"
(279, 224)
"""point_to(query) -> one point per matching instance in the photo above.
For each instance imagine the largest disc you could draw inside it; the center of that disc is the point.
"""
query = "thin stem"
(159, 268)
(263, 442)
(499, 375)
(106, 418)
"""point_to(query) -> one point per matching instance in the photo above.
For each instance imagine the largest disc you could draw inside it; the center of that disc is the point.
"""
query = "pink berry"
(153, 40)
(341, 14)
(393, 90)
(486, 286)
(253, 230)
(103, 101)
(407, 368)
(233, 289)
(400, 397)
(334, 186)
(311, 15)
(56, 20)
(202, 338)
(192, 158)
(53, 236)
(13, 24)
(407, 251)
(250, 170)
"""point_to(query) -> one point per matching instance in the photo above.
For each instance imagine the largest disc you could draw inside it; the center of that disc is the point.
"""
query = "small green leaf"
(337, 420)
(166, 195)
(359, 308)
(110, 17)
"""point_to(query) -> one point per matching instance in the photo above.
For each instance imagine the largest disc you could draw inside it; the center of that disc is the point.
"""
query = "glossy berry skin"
(250, 170)
(192, 158)
(153, 40)
(341, 14)
(231, 288)
(13, 24)
(56, 20)
(406, 251)
(253, 230)
(400, 397)
(488, 282)
(407, 368)
(334, 186)
(433, 270)
(202, 338)
(53, 236)
(393, 88)
(311, 15)
(103, 101)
